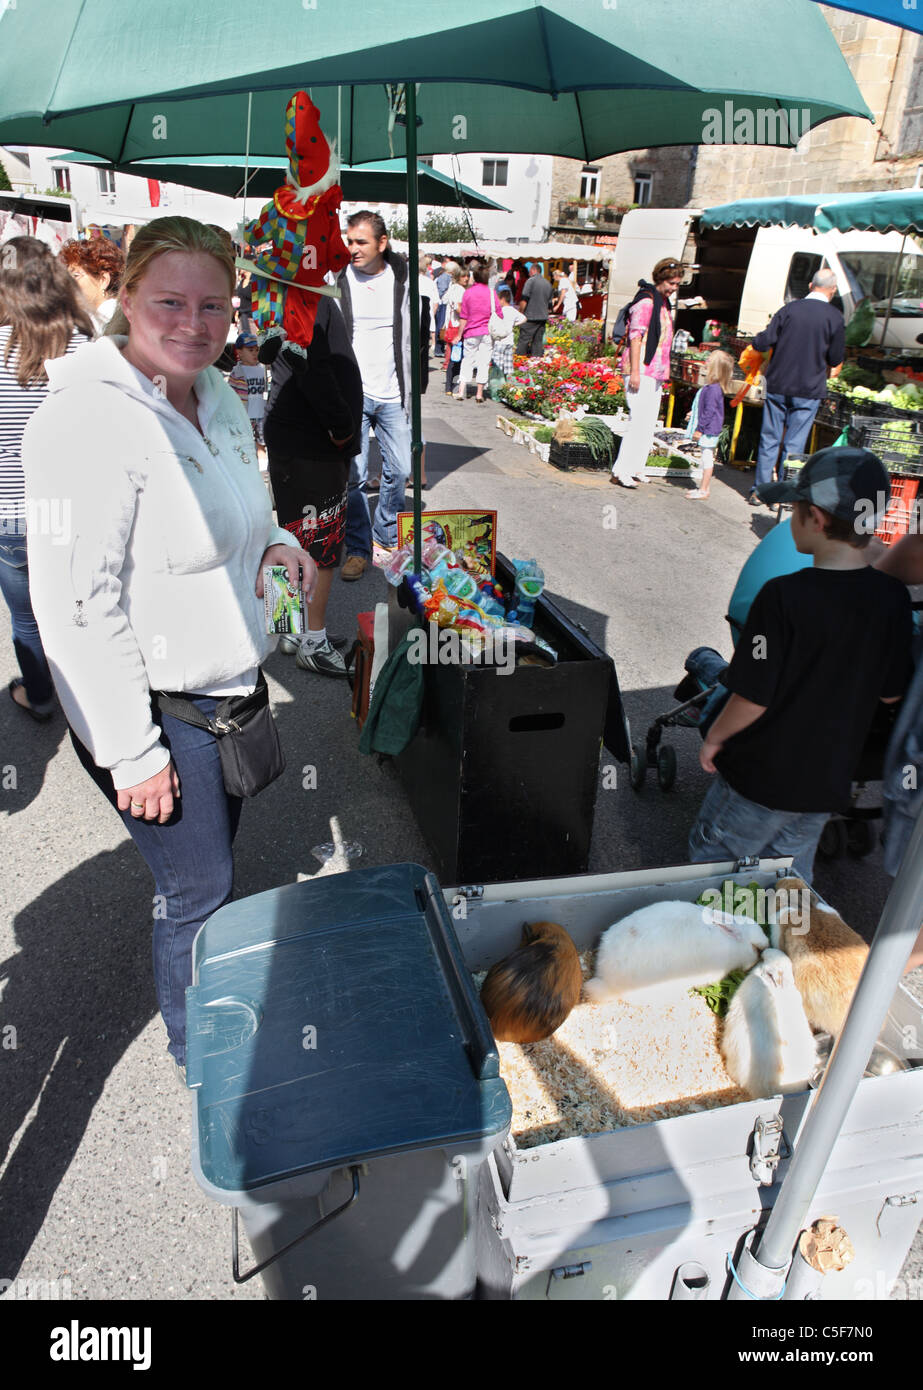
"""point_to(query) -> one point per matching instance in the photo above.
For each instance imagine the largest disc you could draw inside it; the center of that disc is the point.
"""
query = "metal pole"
(413, 273)
(897, 271)
(890, 949)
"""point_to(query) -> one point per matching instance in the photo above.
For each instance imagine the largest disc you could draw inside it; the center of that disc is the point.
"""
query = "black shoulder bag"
(246, 733)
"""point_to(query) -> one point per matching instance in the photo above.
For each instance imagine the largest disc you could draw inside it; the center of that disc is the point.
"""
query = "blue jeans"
(392, 430)
(729, 826)
(794, 415)
(190, 858)
(14, 584)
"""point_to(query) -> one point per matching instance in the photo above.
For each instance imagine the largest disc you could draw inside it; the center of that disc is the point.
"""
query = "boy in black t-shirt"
(820, 648)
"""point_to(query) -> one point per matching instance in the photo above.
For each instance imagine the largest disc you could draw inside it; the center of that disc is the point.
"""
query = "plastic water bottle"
(530, 581)
(398, 565)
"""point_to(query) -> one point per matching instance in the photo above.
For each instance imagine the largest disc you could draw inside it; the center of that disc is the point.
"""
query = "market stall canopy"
(904, 16)
(384, 181)
(126, 80)
(786, 210)
(517, 250)
(897, 210)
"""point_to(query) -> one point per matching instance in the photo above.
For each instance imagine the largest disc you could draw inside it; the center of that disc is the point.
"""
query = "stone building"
(842, 155)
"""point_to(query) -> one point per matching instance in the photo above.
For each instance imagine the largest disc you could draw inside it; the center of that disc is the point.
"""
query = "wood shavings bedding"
(613, 1065)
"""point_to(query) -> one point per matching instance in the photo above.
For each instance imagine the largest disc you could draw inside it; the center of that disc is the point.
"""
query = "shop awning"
(786, 210)
(898, 210)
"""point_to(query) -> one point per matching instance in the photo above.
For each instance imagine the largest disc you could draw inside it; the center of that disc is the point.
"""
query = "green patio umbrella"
(384, 181)
(186, 84)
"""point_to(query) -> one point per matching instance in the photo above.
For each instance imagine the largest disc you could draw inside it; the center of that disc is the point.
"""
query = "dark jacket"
(807, 337)
(323, 398)
(401, 324)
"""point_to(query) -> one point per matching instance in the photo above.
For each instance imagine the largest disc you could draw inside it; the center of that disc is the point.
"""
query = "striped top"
(16, 408)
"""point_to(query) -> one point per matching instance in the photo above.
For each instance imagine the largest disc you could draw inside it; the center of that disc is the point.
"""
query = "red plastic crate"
(897, 519)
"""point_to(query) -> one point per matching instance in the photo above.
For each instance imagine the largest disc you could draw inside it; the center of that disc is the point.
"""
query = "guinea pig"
(529, 994)
(827, 956)
(767, 1044)
(659, 952)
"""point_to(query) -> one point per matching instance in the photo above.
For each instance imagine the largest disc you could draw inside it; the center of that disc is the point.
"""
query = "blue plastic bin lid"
(334, 1021)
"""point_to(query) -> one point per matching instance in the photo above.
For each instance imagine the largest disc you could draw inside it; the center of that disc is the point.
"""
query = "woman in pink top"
(645, 366)
(474, 315)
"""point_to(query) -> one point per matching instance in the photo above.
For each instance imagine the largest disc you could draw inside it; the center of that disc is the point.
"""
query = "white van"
(744, 274)
(53, 220)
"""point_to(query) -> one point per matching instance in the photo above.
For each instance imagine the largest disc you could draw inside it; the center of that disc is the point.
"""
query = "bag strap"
(226, 718)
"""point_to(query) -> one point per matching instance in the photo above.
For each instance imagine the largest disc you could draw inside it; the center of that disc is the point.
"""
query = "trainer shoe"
(290, 643)
(354, 567)
(325, 659)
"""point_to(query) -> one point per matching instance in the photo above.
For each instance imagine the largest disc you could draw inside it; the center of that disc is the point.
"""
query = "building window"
(495, 173)
(644, 184)
(62, 180)
(589, 183)
(106, 180)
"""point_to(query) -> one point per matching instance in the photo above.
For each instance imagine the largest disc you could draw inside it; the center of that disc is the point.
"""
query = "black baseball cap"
(840, 481)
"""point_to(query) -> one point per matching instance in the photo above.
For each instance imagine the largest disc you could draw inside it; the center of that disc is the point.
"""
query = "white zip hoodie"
(147, 580)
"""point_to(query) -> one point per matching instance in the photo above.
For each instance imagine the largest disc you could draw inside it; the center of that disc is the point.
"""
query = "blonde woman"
(706, 419)
(159, 584)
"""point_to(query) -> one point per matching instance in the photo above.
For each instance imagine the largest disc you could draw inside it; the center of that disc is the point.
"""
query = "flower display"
(555, 383)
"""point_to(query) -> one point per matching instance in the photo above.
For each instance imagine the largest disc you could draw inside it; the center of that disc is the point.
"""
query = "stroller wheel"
(637, 768)
(666, 767)
(833, 839)
(860, 838)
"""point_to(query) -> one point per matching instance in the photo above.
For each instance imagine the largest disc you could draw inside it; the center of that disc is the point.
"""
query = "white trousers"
(644, 406)
(475, 358)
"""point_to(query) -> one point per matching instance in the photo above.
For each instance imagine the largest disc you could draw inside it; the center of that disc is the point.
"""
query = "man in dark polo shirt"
(807, 339)
(537, 295)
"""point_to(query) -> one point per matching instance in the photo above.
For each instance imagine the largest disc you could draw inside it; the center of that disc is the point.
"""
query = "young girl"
(706, 419)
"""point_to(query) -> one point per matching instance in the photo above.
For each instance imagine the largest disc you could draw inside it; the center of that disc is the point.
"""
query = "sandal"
(40, 716)
(698, 494)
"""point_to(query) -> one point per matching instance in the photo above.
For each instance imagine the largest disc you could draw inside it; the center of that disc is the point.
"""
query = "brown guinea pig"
(827, 956)
(529, 994)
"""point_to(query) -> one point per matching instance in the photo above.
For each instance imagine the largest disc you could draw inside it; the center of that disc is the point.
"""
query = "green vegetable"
(544, 434)
(860, 326)
(599, 437)
(719, 995)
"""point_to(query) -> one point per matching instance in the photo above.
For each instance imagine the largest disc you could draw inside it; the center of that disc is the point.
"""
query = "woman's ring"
(138, 804)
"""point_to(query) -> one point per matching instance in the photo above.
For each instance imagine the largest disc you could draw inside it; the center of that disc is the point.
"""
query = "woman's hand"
(710, 748)
(152, 800)
(634, 381)
(294, 559)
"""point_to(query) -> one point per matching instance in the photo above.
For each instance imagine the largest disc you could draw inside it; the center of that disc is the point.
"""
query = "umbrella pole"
(413, 287)
(887, 958)
(897, 271)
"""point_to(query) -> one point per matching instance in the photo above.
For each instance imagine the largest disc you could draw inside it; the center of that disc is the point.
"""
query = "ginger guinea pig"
(827, 956)
(529, 994)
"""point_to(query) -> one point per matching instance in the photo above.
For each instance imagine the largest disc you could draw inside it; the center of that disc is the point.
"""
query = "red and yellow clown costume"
(303, 228)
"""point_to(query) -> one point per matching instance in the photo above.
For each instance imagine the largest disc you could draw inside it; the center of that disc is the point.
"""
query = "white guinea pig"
(766, 1042)
(659, 952)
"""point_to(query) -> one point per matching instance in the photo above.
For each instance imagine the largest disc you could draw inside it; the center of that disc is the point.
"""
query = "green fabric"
(673, 63)
(382, 182)
(396, 704)
(790, 210)
(898, 210)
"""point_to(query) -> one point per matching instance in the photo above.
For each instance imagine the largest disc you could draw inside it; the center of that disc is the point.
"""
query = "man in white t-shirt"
(374, 290)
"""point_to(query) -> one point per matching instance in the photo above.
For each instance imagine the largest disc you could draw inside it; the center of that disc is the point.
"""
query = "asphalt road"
(96, 1193)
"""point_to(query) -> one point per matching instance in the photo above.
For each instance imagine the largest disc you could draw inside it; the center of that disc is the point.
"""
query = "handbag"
(495, 325)
(246, 734)
(450, 333)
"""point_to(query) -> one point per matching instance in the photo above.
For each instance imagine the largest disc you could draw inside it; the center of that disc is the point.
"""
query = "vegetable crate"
(694, 371)
(571, 455)
(835, 411)
(898, 443)
(897, 519)
(615, 1215)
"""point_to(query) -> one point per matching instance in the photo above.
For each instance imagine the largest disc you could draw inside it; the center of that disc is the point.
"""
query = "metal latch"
(770, 1144)
(906, 1199)
(469, 892)
(748, 861)
(572, 1271)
